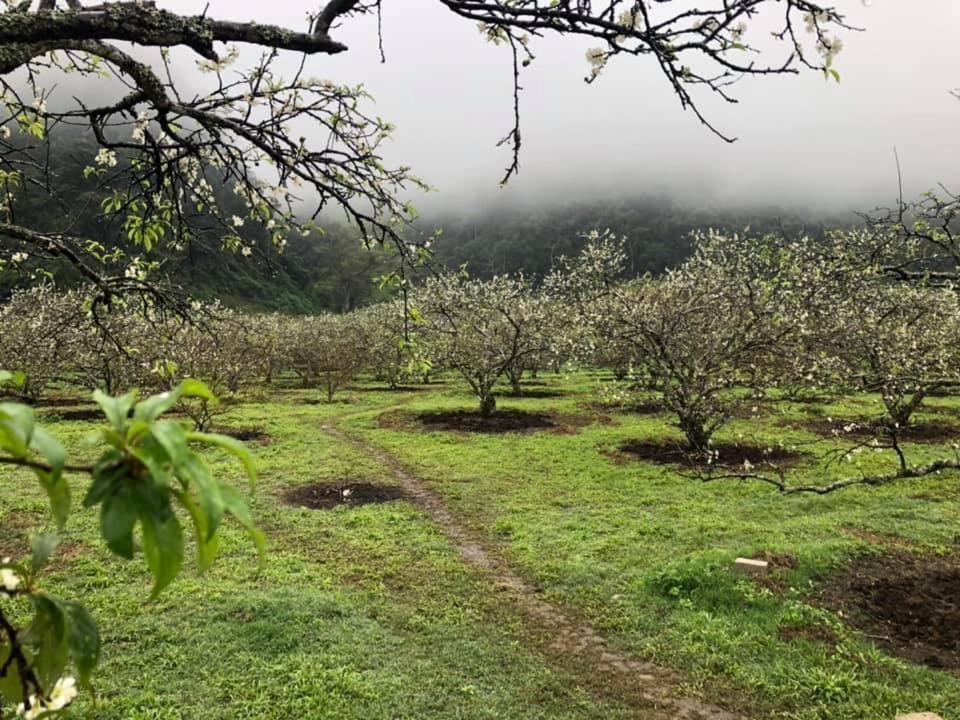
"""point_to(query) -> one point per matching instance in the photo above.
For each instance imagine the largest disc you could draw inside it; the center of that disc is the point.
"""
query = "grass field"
(370, 612)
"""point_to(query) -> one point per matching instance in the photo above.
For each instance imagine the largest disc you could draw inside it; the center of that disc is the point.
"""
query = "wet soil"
(732, 455)
(909, 604)
(326, 496)
(501, 421)
(246, 434)
(862, 428)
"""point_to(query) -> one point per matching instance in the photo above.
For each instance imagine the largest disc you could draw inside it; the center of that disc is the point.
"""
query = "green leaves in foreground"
(149, 467)
(22, 440)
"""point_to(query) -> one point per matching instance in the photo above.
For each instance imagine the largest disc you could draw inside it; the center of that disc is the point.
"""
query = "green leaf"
(56, 487)
(43, 547)
(163, 546)
(83, 638)
(191, 387)
(232, 446)
(116, 408)
(197, 475)
(208, 543)
(10, 689)
(58, 492)
(47, 635)
(118, 515)
(107, 476)
(156, 405)
(172, 438)
(17, 379)
(16, 429)
(51, 450)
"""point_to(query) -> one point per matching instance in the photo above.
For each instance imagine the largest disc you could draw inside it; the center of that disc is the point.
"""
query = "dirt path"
(574, 643)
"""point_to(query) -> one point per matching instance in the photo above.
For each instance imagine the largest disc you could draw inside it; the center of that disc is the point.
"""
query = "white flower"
(237, 221)
(4, 132)
(246, 251)
(64, 693)
(40, 105)
(596, 57)
(8, 578)
(18, 257)
(106, 157)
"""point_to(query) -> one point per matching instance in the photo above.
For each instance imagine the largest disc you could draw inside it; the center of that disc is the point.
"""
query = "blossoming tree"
(156, 161)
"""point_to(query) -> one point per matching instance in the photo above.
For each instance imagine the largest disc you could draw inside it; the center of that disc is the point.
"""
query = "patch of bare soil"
(908, 603)
(325, 496)
(384, 388)
(501, 421)
(534, 393)
(246, 434)
(84, 414)
(57, 401)
(732, 455)
(860, 429)
(778, 565)
(640, 407)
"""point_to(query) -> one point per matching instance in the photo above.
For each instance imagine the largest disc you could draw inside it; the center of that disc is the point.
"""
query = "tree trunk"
(698, 439)
(488, 403)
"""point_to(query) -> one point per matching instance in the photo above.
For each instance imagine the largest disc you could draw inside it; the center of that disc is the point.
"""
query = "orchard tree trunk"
(488, 403)
(695, 431)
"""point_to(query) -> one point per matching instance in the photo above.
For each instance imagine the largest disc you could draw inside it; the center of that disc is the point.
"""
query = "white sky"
(802, 140)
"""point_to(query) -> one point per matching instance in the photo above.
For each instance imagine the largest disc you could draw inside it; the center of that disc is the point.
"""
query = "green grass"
(369, 612)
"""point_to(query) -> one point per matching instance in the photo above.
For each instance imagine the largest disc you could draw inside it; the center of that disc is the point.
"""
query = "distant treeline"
(529, 239)
(335, 272)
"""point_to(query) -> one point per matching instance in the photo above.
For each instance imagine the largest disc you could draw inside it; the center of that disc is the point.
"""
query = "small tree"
(328, 350)
(707, 328)
(37, 336)
(481, 328)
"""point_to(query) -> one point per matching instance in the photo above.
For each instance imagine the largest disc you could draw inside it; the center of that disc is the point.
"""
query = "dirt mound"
(501, 421)
(87, 414)
(638, 407)
(534, 393)
(246, 435)
(860, 429)
(909, 604)
(324, 496)
(730, 455)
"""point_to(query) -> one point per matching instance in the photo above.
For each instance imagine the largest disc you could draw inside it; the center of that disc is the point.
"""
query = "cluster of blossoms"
(597, 59)
(9, 579)
(828, 47)
(106, 158)
(64, 693)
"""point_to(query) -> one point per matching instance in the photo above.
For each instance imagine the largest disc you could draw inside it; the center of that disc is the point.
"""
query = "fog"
(803, 141)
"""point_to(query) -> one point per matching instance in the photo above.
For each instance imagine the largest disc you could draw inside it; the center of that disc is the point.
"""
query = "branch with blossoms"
(778, 478)
(161, 156)
(707, 48)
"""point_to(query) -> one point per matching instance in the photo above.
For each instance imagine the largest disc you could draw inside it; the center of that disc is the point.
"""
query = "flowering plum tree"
(710, 326)
(481, 328)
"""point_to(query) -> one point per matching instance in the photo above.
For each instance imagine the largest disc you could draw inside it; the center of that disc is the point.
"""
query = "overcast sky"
(802, 141)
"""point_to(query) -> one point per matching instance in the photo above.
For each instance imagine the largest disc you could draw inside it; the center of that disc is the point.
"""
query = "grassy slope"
(644, 554)
(362, 613)
(368, 612)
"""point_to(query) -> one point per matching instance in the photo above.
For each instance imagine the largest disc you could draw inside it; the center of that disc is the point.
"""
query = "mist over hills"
(335, 272)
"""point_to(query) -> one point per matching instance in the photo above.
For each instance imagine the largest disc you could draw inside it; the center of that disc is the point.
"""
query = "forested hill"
(529, 238)
(335, 272)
